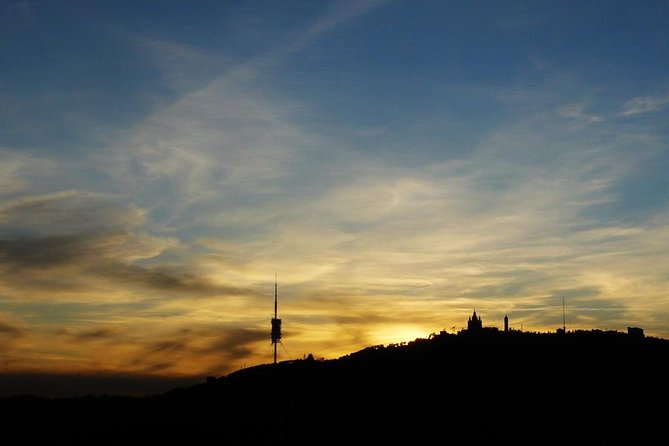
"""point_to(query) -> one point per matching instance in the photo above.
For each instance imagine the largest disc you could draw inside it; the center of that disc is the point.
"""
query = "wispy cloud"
(577, 111)
(340, 13)
(367, 252)
(218, 138)
(183, 67)
(18, 171)
(644, 104)
(162, 247)
(231, 133)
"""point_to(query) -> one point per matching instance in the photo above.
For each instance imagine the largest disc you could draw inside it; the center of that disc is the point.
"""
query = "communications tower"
(276, 322)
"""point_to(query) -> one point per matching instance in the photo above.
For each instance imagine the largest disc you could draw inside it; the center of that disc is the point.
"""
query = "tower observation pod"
(276, 322)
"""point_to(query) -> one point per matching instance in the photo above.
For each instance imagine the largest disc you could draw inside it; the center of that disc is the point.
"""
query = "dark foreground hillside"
(491, 388)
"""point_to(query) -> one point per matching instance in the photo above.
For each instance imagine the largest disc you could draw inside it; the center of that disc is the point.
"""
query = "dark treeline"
(588, 387)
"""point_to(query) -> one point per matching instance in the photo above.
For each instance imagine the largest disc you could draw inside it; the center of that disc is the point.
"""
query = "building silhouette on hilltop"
(474, 323)
(475, 327)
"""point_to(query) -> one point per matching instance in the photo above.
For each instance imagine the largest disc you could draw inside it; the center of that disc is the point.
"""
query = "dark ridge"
(61, 385)
(585, 387)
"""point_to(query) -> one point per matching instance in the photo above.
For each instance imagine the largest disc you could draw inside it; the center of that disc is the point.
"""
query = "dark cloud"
(233, 347)
(237, 343)
(158, 367)
(68, 212)
(36, 263)
(226, 345)
(9, 335)
(10, 331)
(62, 240)
(163, 279)
(46, 252)
(168, 346)
(75, 241)
(102, 333)
(166, 353)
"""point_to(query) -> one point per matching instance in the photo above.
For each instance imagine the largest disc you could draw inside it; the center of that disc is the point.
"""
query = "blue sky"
(396, 163)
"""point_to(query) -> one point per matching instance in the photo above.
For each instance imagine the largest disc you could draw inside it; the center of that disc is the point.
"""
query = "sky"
(397, 164)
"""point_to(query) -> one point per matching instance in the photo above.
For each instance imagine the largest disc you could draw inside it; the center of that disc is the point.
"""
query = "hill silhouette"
(585, 387)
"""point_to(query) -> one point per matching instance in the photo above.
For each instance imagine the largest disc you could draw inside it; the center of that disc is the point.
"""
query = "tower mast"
(564, 325)
(276, 322)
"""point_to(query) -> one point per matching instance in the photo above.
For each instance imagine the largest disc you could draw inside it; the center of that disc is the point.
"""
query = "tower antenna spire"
(564, 325)
(276, 322)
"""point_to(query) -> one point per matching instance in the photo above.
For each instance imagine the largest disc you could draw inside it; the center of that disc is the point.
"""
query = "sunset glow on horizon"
(396, 164)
